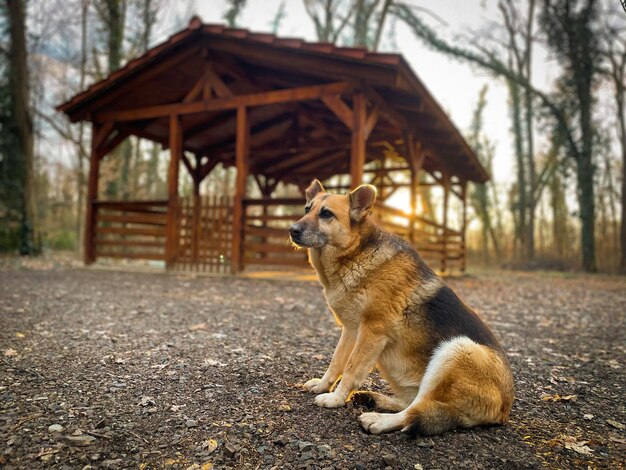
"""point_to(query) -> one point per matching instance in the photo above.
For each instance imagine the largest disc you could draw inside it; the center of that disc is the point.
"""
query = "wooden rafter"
(220, 88)
(220, 104)
(340, 108)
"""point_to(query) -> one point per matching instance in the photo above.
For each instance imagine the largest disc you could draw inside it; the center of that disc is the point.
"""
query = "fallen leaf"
(145, 401)
(557, 397)
(579, 447)
(213, 362)
(618, 439)
(284, 407)
(588, 416)
(614, 364)
(209, 445)
(616, 425)
(197, 326)
(206, 466)
(10, 352)
(20, 335)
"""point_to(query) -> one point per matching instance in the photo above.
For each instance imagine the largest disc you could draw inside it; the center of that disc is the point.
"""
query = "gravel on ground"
(103, 369)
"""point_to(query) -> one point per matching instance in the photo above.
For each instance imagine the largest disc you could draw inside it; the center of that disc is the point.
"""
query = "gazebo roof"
(247, 63)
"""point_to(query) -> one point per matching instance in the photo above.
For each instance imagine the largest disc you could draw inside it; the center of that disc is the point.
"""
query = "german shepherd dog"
(445, 367)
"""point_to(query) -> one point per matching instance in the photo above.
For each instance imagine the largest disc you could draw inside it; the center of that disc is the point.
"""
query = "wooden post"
(176, 150)
(89, 242)
(445, 180)
(195, 229)
(242, 162)
(415, 158)
(357, 151)
(463, 224)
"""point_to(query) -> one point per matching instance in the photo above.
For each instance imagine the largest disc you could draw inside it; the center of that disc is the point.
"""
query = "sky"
(454, 85)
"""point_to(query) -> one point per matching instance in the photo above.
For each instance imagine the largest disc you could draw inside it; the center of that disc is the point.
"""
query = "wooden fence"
(266, 232)
(137, 230)
(130, 229)
(441, 247)
(205, 234)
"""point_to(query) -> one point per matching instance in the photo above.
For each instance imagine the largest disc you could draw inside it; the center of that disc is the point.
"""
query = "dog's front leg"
(337, 363)
(369, 345)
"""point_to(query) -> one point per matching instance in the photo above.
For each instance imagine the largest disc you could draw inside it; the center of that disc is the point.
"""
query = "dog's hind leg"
(465, 384)
(375, 400)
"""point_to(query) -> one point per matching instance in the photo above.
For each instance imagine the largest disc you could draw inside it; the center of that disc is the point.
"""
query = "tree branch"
(490, 63)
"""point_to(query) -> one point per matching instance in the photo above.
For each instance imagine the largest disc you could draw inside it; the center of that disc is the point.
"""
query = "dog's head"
(332, 219)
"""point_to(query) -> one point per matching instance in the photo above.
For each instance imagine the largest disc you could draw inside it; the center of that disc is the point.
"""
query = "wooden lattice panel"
(205, 234)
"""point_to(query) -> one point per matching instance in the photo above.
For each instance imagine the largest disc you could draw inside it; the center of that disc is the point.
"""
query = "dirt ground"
(102, 369)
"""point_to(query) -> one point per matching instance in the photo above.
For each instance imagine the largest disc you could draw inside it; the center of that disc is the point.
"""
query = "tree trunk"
(530, 145)
(116, 10)
(21, 117)
(82, 156)
(621, 118)
(521, 172)
(532, 178)
(584, 177)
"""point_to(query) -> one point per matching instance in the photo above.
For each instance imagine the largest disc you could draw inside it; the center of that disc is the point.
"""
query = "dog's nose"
(295, 231)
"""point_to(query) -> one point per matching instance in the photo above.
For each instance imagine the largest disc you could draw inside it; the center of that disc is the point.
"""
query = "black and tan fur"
(445, 367)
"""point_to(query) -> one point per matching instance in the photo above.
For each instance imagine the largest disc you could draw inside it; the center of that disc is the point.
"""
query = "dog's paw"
(316, 386)
(329, 400)
(365, 399)
(378, 423)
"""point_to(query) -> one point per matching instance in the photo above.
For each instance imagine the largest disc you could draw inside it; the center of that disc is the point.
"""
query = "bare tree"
(613, 50)
(22, 123)
(569, 29)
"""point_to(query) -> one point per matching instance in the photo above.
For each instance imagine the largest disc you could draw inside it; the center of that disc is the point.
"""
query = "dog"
(445, 367)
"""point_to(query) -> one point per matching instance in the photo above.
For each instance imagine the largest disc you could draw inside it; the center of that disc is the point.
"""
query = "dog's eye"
(326, 214)
(307, 209)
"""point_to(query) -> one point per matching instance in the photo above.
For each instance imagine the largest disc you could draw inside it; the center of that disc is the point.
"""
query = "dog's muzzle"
(295, 232)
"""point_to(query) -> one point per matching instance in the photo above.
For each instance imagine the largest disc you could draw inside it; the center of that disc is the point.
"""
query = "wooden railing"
(266, 239)
(130, 229)
(441, 247)
(266, 232)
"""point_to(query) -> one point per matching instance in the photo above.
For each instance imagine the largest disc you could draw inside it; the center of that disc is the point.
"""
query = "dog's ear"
(361, 202)
(313, 190)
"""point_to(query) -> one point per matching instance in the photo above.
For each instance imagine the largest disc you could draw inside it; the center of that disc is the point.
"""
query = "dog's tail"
(465, 384)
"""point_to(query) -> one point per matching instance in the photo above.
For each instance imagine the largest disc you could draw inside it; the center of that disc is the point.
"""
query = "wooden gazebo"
(280, 110)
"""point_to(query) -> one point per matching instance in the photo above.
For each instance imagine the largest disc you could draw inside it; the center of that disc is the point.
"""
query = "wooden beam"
(195, 91)
(371, 121)
(286, 163)
(207, 168)
(389, 113)
(241, 160)
(195, 228)
(357, 155)
(320, 65)
(176, 151)
(216, 82)
(262, 133)
(111, 144)
(89, 242)
(147, 74)
(444, 238)
(340, 108)
(220, 104)
(314, 163)
(463, 224)
(102, 134)
(187, 163)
